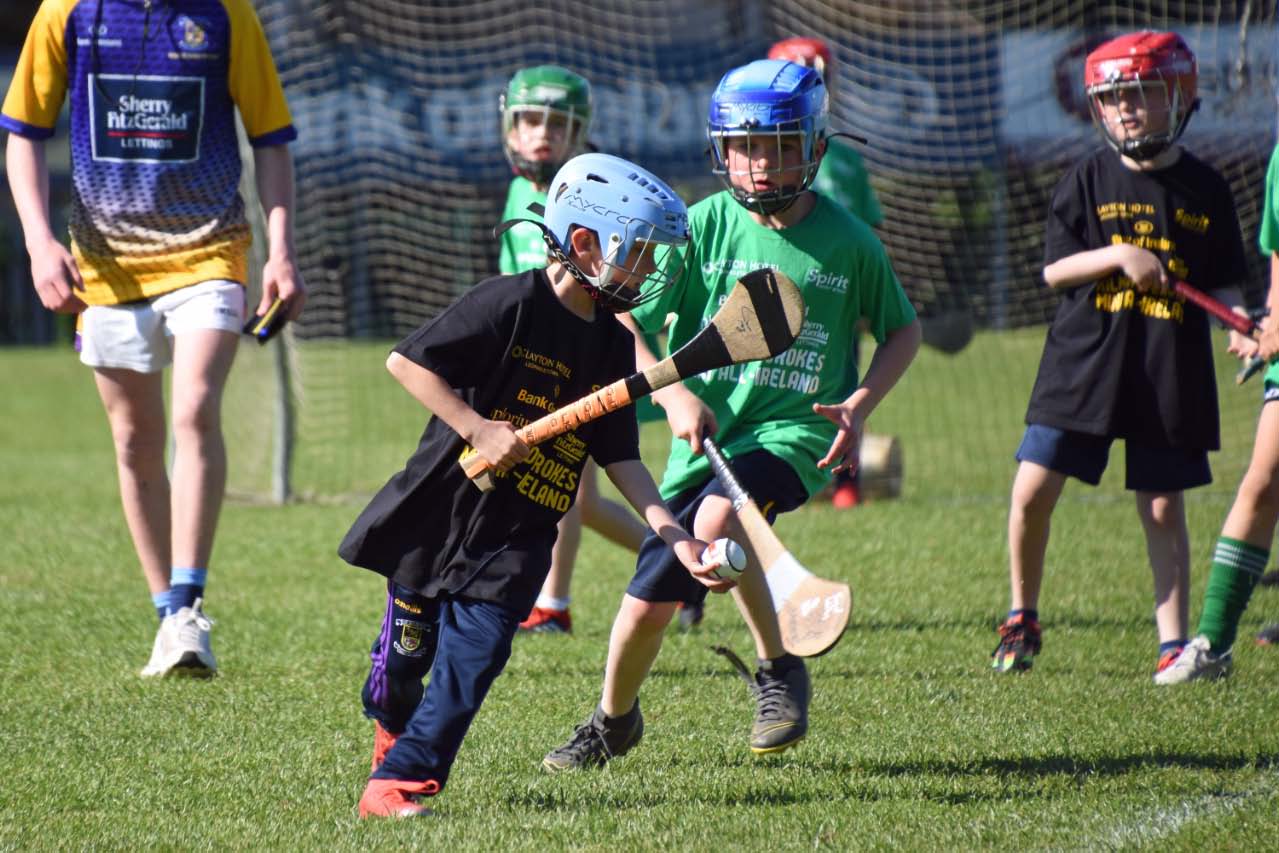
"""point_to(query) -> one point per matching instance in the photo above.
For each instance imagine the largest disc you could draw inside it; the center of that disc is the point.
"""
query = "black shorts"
(771, 483)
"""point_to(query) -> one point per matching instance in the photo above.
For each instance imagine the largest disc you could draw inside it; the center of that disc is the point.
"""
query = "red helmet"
(1131, 62)
(810, 53)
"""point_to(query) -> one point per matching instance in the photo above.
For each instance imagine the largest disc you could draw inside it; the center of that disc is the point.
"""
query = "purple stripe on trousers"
(377, 675)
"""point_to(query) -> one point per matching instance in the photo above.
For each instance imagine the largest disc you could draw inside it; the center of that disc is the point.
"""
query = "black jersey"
(1118, 362)
(513, 352)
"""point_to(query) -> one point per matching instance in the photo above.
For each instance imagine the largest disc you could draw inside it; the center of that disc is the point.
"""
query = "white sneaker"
(1196, 661)
(182, 645)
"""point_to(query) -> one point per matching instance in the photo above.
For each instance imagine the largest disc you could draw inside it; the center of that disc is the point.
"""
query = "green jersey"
(842, 176)
(1269, 238)
(522, 247)
(845, 276)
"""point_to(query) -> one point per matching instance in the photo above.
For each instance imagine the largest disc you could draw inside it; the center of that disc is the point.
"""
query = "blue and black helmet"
(763, 102)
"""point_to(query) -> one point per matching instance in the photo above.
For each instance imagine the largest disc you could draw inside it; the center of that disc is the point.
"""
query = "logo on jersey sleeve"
(145, 119)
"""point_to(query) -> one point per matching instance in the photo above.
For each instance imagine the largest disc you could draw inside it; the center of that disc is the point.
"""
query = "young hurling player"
(546, 116)
(841, 177)
(786, 423)
(463, 567)
(158, 250)
(1244, 546)
(1124, 357)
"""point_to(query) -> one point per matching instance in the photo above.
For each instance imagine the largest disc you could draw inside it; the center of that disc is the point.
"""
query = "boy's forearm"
(273, 166)
(887, 366)
(28, 173)
(636, 485)
(1272, 298)
(1082, 267)
(429, 389)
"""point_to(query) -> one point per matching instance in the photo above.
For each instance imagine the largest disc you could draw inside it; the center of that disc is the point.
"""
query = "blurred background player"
(785, 423)
(158, 251)
(1124, 357)
(1243, 549)
(546, 116)
(463, 566)
(843, 177)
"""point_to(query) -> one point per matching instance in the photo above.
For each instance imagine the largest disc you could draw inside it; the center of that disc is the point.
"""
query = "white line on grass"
(1165, 821)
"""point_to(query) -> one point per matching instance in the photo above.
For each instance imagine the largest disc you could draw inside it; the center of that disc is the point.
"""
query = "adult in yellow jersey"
(159, 240)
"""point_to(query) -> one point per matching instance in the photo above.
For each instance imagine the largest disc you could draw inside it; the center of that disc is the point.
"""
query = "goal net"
(971, 111)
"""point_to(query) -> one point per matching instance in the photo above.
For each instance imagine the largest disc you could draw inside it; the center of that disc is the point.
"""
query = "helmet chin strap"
(604, 298)
(539, 172)
(1144, 149)
(770, 206)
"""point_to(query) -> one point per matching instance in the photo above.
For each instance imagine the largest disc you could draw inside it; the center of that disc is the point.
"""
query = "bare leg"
(1035, 493)
(201, 363)
(564, 554)
(1255, 512)
(715, 519)
(1163, 516)
(610, 519)
(134, 404)
(633, 646)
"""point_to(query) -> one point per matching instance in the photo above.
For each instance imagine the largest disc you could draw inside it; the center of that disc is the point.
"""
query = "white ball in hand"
(728, 558)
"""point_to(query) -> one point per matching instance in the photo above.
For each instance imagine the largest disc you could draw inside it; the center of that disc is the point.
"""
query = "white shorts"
(139, 335)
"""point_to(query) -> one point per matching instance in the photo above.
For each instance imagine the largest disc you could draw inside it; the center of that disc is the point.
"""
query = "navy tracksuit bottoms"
(463, 645)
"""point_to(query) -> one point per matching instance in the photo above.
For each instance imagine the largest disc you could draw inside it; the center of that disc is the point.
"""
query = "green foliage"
(914, 743)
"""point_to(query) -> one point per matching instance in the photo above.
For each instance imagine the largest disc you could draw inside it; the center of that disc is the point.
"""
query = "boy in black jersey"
(463, 567)
(1125, 357)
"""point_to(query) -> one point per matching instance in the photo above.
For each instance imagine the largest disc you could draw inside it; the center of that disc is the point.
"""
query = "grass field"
(914, 743)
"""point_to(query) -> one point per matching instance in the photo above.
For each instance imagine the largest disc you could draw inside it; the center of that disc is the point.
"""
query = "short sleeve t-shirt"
(155, 162)
(1126, 364)
(1269, 236)
(513, 352)
(844, 275)
(522, 246)
(842, 176)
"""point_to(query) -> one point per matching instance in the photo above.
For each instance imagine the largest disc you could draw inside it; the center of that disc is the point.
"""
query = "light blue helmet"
(762, 102)
(626, 207)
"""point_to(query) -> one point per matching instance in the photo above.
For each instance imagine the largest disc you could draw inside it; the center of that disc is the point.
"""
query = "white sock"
(548, 602)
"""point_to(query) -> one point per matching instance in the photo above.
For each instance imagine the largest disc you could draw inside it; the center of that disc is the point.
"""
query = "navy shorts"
(1084, 457)
(771, 483)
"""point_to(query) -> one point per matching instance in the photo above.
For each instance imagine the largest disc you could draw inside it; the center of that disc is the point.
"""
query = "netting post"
(282, 434)
(285, 420)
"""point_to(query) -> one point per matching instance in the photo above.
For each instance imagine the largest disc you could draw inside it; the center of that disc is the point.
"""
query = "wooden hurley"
(760, 318)
(811, 612)
(1222, 312)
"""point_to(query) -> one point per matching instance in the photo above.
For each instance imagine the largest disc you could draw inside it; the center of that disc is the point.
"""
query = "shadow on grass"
(1064, 765)
(985, 780)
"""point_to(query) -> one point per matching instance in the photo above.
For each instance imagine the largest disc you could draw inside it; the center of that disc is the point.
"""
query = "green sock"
(1236, 567)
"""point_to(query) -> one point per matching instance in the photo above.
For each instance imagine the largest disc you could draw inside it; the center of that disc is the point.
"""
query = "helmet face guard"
(556, 98)
(1155, 73)
(639, 221)
(767, 104)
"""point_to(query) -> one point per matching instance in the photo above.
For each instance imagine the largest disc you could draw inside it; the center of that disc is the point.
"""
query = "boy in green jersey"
(1243, 548)
(546, 115)
(785, 423)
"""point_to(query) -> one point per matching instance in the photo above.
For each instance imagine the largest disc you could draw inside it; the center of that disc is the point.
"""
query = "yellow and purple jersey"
(153, 88)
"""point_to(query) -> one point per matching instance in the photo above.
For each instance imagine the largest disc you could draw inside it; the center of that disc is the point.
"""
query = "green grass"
(914, 743)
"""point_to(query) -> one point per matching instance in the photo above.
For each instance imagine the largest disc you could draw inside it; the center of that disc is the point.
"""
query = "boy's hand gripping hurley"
(760, 318)
(811, 612)
(1222, 312)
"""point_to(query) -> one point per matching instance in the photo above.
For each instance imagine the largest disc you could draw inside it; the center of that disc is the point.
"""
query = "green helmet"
(559, 96)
